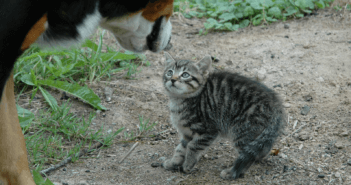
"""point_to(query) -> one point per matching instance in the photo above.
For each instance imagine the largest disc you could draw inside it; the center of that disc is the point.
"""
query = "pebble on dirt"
(108, 93)
(339, 145)
(304, 136)
(229, 62)
(344, 134)
(321, 176)
(305, 110)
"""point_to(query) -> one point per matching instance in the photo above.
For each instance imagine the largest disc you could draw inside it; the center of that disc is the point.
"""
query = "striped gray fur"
(206, 105)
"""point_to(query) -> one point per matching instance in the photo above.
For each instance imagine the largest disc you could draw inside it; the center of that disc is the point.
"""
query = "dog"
(138, 25)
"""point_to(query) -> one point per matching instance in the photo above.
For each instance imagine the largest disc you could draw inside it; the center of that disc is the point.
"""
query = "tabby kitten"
(205, 106)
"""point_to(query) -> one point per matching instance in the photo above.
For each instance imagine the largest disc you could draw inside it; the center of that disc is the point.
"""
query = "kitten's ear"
(205, 63)
(169, 58)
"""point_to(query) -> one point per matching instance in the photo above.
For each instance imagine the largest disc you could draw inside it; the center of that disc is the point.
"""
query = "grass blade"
(49, 98)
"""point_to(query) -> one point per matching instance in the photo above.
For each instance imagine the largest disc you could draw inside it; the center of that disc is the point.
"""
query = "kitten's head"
(185, 78)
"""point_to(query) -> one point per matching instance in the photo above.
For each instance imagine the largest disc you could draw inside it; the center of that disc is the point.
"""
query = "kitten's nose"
(173, 80)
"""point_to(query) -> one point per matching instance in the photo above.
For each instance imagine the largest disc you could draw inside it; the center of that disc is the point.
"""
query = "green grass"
(55, 133)
(234, 14)
(143, 128)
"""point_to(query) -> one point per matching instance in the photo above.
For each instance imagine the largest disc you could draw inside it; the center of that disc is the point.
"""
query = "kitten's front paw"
(170, 165)
(229, 174)
(188, 168)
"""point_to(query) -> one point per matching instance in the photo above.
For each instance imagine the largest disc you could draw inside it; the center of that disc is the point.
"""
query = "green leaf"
(248, 11)
(244, 23)
(275, 11)
(227, 17)
(117, 56)
(84, 93)
(320, 4)
(25, 116)
(310, 4)
(291, 10)
(267, 3)
(27, 79)
(256, 5)
(270, 19)
(49, 98)
(210, 23)
(33, 77)
(228, 25)
(301, 4)
(90, 44)
(299, 15)
(235, 27)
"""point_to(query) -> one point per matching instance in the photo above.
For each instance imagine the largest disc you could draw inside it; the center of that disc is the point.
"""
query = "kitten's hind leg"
(244, 161)
(175, 164)
(194, 149)
(248, 154)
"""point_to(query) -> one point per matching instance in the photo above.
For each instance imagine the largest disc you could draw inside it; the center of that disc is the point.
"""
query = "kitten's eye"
(185, 75)
(170, 73)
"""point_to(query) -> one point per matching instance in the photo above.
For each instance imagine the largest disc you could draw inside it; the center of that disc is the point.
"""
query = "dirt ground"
(307, 61)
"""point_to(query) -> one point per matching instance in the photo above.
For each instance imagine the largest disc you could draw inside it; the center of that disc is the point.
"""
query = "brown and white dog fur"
(138, 25)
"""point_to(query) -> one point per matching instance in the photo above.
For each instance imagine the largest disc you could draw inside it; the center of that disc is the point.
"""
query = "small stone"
(215, 59)
(87, 171)
(321, 176)
(154, 97)
(339, 145)
(82, 183)
(108, 93)
(64, 169)
(304, 136)
(98, 111)
(261, 74)
(344, 134)
(349, 162)
(337, 175)
(64, 183)
(287, 105)
(305, 110)
(272, 56)
(286, 168)
(229, 62)
(278, 85)
(114, 123)
(171, 179)
(308, 97)
(109, 131)
(286, 36)
(56, 183)
(320, 79)
(286, 26)
(162, 159)
(155, 165)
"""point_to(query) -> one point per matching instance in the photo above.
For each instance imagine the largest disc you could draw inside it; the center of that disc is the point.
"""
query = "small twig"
(130, 151)
(69, 159)
(298, 130)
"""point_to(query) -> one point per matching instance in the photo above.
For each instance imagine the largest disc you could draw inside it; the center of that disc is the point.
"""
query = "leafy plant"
(143, 128)
(66, 70)
(39, 180)
(234, 14)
